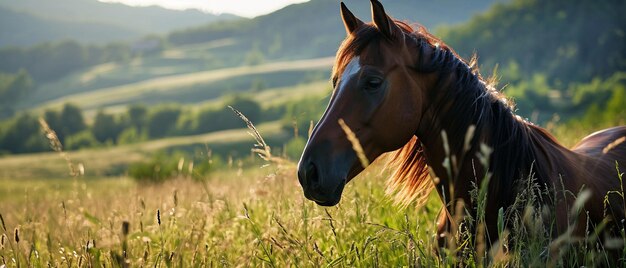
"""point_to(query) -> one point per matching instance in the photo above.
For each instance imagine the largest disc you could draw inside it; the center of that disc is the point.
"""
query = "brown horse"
(403, 89)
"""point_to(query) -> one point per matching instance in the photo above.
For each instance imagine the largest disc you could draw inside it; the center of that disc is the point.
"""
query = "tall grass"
(258, 217)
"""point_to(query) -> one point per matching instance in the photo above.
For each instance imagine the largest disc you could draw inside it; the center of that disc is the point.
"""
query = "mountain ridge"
(91, 21)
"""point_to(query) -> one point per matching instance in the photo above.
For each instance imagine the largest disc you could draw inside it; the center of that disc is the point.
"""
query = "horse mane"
(410, 180)
(515, 141)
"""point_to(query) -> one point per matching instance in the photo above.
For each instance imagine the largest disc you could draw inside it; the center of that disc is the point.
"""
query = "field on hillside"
(216, 222)
(242, 216)
(114, 161)
(89, 89)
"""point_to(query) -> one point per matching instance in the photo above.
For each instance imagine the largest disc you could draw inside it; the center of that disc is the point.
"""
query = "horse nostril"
(308, 176)
(312, 176)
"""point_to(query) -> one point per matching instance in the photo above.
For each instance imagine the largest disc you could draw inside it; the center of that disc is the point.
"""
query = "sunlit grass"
(248, 216)
(254, 218)
(99, 162)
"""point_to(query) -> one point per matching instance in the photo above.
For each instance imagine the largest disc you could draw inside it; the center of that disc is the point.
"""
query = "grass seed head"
(17, 235)
(175, 198)
(159, 217)
(125, 228)
(4, 227)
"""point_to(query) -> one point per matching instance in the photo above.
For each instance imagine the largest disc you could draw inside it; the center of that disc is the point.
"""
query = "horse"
(403, 91)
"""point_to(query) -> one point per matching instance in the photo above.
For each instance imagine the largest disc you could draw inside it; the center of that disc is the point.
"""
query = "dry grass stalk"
(17, 235)
(311, 126)
(158, 214)
(261, 148)
(613, 144)
(56, 145)
(125, 228)
(4, 227)
(356, 145)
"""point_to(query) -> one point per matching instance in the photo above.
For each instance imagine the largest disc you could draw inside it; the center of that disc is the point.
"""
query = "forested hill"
(33, 29)
(565, 41)
(306, 30)
(90, 21)
(314, 28)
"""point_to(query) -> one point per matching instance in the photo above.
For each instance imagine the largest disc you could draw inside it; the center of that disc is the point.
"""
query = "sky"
(245, 8)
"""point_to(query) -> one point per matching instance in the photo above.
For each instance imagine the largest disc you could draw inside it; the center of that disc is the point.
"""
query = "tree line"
(22, 134)
(566, 42)
(22, 69)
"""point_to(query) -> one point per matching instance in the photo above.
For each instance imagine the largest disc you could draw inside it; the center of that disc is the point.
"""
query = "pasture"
(242, 216)
(126, 154)
(182, 88)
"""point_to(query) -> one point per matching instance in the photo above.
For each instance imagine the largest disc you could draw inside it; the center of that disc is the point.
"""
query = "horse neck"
(461, 101)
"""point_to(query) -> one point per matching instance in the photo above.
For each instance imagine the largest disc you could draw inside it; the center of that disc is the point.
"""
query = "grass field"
(99, 162)
(242, 217)
(217, 222)
(186, 87)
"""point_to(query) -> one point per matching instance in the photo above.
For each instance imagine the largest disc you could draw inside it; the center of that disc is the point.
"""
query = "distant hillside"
(303, 31)
(19, 29)
(565, 41)
(27, 22)
(314, 28)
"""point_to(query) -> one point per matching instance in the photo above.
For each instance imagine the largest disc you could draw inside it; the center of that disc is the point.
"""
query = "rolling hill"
(313, 29)
(285, 56)
(194, 88)
(34, 29)
(566, 42)
(285, 35)
(27, 22)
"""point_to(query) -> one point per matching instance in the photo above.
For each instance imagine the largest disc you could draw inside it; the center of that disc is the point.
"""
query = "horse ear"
(383, 22)
(350, 21)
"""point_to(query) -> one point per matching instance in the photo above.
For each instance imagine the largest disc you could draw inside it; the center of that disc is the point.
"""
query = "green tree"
(138, 116)
(162, 121)
(567, 42)
(106, 128)
(224, 118)
(22, 134)
(71, 120)
(131, 135)
(83, 139)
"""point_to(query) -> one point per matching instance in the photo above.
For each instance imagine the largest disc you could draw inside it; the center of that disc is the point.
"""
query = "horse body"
(405, 91)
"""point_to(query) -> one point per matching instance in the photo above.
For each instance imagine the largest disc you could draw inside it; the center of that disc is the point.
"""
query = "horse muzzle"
(324, 189)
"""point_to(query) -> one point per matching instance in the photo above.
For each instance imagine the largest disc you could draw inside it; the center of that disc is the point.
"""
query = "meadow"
(249, 213)
(162, 102)
(187, 87)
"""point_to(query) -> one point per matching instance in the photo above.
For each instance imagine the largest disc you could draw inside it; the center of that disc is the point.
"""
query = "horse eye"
(374, 83)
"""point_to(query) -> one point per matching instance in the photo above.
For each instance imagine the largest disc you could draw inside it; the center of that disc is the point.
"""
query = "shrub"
(157, 169)
(164, 166)
(83, 139)
(131, 135)
(162, 121)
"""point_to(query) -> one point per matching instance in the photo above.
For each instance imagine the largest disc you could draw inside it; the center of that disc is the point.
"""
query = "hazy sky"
(247, 8)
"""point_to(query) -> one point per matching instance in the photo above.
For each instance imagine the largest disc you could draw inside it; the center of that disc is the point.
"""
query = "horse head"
(379, 95)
